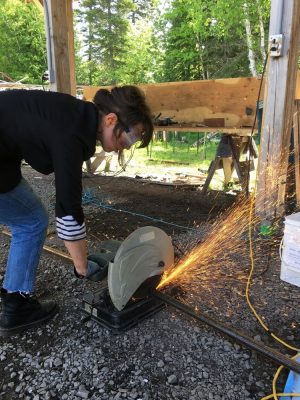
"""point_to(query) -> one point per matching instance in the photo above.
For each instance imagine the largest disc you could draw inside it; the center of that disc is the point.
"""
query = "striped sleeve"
(68, 228)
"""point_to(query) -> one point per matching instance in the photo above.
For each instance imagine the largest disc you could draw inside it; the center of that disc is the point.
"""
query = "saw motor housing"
(135, 268)
(139, 264)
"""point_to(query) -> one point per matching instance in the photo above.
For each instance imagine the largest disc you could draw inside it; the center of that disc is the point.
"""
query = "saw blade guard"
(145, 253)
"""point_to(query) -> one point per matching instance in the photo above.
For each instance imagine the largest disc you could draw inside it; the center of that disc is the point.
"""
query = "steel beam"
(273, 355)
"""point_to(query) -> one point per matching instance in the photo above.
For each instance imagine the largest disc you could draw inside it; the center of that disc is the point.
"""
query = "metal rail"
(273, 355)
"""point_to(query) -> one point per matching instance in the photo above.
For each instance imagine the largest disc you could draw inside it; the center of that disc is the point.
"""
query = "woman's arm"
(78, 252)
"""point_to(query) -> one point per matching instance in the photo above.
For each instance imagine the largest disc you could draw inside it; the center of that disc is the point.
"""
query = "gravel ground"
(167, 356)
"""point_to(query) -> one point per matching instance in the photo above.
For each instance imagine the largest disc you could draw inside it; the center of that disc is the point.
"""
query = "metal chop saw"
(135, 268)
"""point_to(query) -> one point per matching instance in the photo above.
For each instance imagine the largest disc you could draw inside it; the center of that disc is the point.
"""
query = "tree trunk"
(111, 49)
(90, 55)
(251, 55)
(262, 32)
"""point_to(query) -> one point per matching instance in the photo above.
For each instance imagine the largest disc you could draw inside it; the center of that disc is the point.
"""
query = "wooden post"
(60, 45)
(278, 111)
(227, 168)
(297, 149)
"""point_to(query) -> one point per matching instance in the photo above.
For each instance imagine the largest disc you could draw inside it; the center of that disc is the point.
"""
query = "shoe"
(22, 311)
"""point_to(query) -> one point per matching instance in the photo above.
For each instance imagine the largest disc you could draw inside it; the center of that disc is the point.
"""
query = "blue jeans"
(23, 212)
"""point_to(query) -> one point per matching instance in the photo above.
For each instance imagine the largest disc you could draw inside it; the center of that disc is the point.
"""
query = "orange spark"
(225, 238)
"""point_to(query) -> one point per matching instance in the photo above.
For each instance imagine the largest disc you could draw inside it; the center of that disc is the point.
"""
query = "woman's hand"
(94, 272)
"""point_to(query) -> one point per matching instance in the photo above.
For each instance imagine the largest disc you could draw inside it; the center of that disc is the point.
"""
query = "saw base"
(99, 307)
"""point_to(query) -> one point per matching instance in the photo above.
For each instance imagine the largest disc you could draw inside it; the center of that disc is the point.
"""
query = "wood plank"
(191, 103)
(45, 247)
(297, 150)
(210, 173)
(236, 160)
(233, 100)
(71, 47)
(278, 115)
(214, 122)
(187, 128)
(97, 161)
(297, 96)
(228, 169)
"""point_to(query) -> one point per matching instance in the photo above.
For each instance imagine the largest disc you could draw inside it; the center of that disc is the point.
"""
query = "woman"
(55, 132)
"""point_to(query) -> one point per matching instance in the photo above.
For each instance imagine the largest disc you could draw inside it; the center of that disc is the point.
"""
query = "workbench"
(226, 106)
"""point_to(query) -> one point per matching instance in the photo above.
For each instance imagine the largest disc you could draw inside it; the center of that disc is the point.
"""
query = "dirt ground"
(180, 208)
(115, 207)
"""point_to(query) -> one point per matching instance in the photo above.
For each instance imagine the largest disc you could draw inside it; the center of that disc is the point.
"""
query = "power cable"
(254, 122)
(122, 169)
(89, 198)
(265, 327)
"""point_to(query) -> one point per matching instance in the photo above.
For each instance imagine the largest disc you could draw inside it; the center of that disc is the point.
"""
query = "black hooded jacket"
(52, 132)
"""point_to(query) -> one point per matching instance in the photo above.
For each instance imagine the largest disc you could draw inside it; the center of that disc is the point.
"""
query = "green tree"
(139, 59)
(181, 61)
(104, 26)
(141, 9)
(205, 40)
(22, 41)
(248, 20)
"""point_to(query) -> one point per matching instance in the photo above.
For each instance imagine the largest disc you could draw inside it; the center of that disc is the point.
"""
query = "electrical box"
(275, 45)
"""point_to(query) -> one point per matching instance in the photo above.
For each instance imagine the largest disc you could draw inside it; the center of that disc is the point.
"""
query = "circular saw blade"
(145, 253)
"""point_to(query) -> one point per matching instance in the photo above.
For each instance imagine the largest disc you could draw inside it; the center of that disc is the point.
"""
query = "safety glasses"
(129, 138)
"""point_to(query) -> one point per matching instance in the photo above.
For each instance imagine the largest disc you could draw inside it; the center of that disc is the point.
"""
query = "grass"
(175, 157)
(179, 155)
(181, 149)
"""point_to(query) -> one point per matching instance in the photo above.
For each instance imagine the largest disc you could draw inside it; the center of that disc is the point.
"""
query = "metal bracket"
(275, 45)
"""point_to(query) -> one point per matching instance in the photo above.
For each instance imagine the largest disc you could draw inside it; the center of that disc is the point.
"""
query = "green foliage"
(141, 9)
(22, 41)
(183, 148)
(181, 55)
(139, 61)
(139, 41)
(117, 45)
(205, 40)
(230, 16)
(104, 30)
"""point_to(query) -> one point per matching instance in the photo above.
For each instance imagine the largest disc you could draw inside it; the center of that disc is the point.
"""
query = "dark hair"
(129, 103)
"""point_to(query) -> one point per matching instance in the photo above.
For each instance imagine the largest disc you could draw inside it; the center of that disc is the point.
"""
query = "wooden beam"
(60, 45)
(45, 247)
(297, 96)
(191, 128)
(278, 111)
(202, 102)
(297, 150)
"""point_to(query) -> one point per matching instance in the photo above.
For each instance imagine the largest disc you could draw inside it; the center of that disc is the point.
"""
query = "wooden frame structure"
(279, 107)
(296, 130)
(278, 104)
(226, 106)
(58, 16)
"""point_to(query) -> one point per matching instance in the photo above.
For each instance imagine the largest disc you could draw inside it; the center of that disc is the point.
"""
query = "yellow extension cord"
(274, 395)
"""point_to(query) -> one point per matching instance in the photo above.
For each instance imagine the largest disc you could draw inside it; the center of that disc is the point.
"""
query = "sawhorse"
(228, 156)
